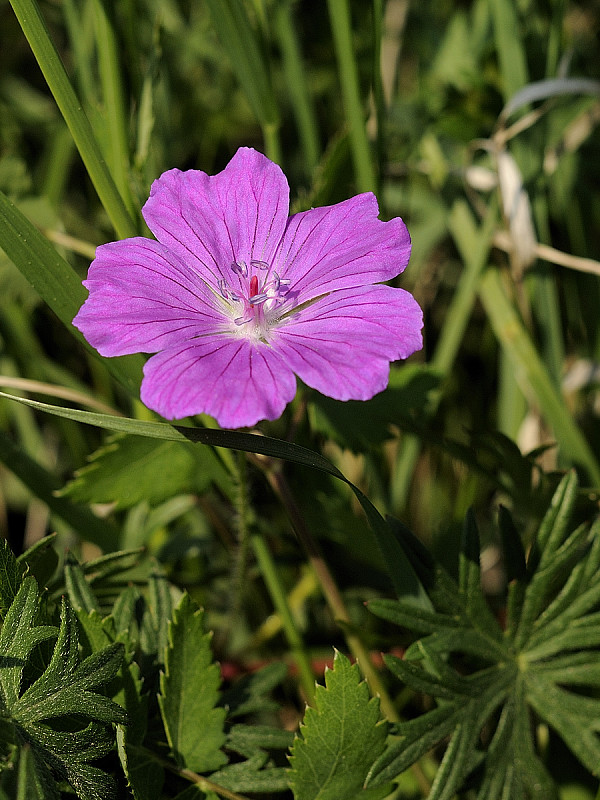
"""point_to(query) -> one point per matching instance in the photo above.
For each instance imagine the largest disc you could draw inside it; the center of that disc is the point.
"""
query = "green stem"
(272, 581)
(36, 32)
(268, 570)
(339, 15)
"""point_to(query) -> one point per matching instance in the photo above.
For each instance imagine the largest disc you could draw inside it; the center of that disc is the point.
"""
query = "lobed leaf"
(340, 739)
(189, 692)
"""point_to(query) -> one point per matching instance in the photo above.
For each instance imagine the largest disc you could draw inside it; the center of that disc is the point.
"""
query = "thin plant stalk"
(339, 15)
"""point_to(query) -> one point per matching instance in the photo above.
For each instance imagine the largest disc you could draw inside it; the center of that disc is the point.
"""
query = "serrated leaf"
(144, 775)
(11, 574)
(130, 469)
(340, 738)
(189, 692)
(18, 637)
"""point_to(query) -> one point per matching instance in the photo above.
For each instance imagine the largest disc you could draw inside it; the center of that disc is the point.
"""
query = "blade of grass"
(532, 375)
(405, 581)
(339, 15)
(475, 257)
(240, 42)
(56, 282)
(511, 54)
(297, 86)
(36, 32)
(114, 105)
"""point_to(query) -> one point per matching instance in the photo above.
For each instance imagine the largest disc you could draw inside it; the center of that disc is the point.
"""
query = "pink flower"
(236, 297)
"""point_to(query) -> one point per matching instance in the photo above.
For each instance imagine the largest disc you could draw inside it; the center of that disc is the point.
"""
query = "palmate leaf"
(189, 692)
(507, 679)
(44, 715)
(340, 738)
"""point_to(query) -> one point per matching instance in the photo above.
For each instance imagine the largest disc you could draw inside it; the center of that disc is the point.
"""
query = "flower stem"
(329, 588)
(272, 581)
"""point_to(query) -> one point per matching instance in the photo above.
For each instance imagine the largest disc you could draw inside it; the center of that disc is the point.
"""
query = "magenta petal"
(211, 221)
(143, 299)
(235, 381)
(337, 247)
(343, 344)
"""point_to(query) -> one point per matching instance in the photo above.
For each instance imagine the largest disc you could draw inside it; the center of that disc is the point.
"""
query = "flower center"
(258, 299)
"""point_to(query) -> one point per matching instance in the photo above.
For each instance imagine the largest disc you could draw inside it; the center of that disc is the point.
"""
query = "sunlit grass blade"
(36, 32)
(113, 102)
(339, 15)
(532, 375)
(55, 281)
(297, 85)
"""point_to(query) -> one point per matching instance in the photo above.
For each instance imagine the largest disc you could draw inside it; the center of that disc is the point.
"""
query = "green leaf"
(34, 781)
(11, 575)
(253, 775)
(57, 283)
(18, 637)
(340, 738)
(250, 693)
(63, 690)
(240, 41)
(43, 485)
(130, 469)
(404, 578)
(189, 692)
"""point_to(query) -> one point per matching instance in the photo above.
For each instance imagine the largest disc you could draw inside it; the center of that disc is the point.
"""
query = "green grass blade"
(36, 32)
(114, 105)
(297, 86)
(55, 281)
(339, 15)
(532, 375)
(240, 42)
(404, 578)
(511, 55)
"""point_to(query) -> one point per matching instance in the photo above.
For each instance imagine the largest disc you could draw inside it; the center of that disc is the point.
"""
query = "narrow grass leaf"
(403, 576)
(36, 32)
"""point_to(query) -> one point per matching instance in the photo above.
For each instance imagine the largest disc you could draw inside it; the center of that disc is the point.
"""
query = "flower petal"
(211, 221)
(342, 345)
(341, 246)
(235, 381)
(142, 299)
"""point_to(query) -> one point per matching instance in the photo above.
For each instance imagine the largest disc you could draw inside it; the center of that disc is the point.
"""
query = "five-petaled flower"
(235, 296)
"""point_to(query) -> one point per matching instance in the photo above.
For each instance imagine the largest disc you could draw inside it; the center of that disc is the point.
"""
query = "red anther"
(253, 286)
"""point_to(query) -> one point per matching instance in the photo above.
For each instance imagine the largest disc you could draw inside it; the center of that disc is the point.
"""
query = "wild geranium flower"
(236, 297)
